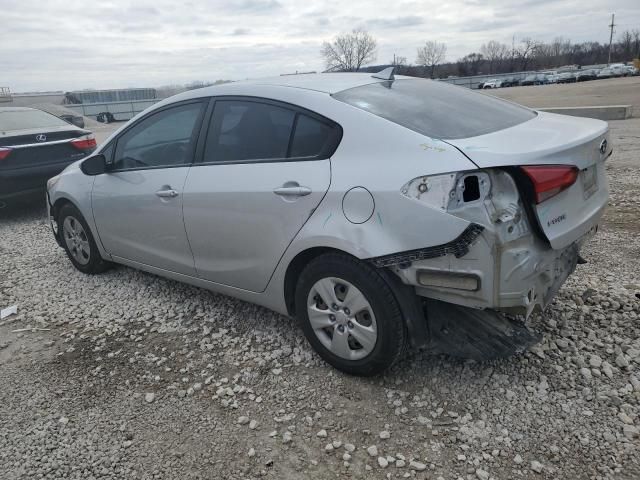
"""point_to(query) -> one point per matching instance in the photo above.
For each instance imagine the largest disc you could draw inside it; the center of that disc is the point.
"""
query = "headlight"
(52, 181)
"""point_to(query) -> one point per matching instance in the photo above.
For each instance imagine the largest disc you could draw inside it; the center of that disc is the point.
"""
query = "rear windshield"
(436, 109)
(24, 119)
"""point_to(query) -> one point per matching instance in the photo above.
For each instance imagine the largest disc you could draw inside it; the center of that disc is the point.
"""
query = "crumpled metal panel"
(476, 334)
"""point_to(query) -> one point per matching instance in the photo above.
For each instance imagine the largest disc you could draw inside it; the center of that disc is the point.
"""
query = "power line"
(613, 15)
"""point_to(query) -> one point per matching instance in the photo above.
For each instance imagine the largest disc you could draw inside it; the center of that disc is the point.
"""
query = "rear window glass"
(436, 109)
(25, 119)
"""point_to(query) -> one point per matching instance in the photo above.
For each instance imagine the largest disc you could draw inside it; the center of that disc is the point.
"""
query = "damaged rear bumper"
(501, 261)
(514, 277)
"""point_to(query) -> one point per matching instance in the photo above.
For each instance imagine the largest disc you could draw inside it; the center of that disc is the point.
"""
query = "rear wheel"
(350, 315)
(78, 241)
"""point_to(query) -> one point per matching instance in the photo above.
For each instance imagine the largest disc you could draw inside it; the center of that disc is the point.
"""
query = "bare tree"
(526, 51)
(636, 43)
(398, 61)
(348, 52)
(494, 52)
(626, 44)
(470, 64)
(431, 54)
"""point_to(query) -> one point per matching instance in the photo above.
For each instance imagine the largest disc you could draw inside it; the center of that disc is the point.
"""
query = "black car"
(529, 80)
(586, 75)
(567, 77)
(511, 82)
(35, 146)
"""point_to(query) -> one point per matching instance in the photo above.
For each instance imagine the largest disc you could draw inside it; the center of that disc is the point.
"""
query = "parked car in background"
(632, 71)
(618, 70)
(529, 80)
(605, 73)
(566, 77)
(542, 79)
(257, 189)
(510, 82)
(493, 83)
(552, 77)
(586, 75)
(77, 120)
(35, 146)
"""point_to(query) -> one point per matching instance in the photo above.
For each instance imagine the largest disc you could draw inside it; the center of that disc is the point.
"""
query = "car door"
(265, 168)
(137, 204)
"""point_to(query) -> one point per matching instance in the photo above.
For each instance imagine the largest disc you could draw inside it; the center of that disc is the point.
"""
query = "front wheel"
(78, 241)
(349, 315)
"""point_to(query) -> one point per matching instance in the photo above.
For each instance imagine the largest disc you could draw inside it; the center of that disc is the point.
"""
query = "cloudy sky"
(73, 44)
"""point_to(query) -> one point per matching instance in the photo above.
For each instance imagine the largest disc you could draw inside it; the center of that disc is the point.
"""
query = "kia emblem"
(41, 138)
(603, 147)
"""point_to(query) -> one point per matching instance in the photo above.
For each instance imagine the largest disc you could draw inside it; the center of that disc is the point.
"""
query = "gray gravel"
(133, 376)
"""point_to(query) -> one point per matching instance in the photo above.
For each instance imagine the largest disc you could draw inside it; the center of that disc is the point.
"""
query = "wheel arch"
(410, 303)
(58, 204)
(294, 269)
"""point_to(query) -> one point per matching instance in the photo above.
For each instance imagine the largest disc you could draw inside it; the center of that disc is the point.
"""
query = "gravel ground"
(126, 375)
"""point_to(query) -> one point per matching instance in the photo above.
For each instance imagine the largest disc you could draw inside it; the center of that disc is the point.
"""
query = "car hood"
(548, 138)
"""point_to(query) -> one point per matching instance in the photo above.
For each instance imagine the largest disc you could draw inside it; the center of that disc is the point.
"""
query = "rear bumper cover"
(17, 182)
(515, 277)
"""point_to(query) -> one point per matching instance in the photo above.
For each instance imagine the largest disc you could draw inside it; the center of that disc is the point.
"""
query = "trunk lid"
(552, 139)
(41, 146)
(28, 136)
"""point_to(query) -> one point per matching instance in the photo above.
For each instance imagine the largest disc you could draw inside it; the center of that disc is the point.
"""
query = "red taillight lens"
(84, 143)
(549, 180)
(4, 152)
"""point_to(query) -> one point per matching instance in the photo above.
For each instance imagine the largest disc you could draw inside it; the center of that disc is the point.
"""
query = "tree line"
(352, 51)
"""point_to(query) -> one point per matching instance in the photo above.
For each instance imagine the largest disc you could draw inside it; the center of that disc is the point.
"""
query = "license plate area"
(589, 180)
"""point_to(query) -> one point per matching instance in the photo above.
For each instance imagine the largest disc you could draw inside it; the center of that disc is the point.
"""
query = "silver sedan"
(359, 204)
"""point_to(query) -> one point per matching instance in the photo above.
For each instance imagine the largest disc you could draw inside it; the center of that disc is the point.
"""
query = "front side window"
(163, 139)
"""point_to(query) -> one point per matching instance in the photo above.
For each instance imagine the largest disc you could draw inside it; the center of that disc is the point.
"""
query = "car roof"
(15, 109)
(321, 82)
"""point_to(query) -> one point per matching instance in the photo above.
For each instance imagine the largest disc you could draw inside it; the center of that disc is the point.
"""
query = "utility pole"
(611, 36)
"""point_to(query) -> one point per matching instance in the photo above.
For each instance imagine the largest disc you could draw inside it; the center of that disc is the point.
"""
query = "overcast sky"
(73, 44)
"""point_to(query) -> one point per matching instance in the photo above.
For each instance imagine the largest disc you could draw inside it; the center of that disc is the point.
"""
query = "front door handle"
(293, 191)
(169, 193)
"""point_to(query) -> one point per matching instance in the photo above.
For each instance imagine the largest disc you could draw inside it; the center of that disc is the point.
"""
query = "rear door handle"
(296, 191)
(170, 193)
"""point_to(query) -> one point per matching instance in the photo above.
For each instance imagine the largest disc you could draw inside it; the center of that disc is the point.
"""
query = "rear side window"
(254, 131)
(313, 138)
(248, 131)
(25, 119)
(163, 139)
(436, 109)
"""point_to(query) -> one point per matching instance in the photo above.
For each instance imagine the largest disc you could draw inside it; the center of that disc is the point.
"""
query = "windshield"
(436, 109)
(25, 119)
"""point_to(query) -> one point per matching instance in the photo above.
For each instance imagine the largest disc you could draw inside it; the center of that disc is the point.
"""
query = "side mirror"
(95, 165)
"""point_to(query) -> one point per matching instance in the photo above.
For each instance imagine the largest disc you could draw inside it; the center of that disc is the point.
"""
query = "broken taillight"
(4, 152)
(549, 180)
(86, 142)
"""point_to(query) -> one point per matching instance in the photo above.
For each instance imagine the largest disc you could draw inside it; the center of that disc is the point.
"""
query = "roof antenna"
(386, 74)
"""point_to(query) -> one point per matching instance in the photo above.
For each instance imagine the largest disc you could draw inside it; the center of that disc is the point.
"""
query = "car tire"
(78, 242)
(370, 338)
(105, 117)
